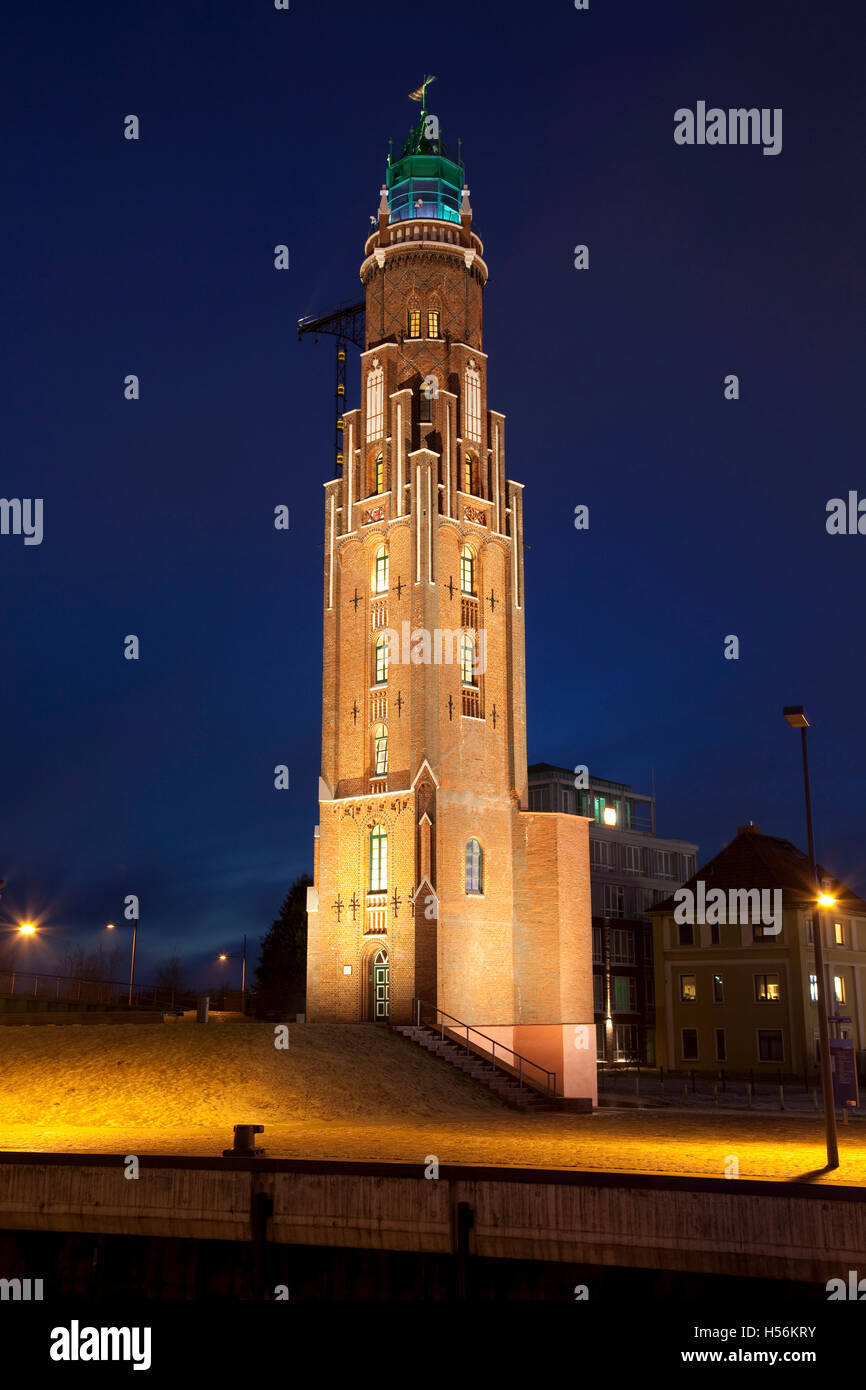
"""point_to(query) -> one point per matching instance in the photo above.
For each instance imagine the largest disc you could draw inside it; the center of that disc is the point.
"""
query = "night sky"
(707, 516)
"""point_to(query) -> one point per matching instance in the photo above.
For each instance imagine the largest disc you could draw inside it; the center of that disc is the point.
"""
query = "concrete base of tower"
(565, 1050)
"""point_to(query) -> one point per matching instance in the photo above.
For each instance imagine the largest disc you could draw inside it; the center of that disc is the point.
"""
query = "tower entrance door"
(380, 986)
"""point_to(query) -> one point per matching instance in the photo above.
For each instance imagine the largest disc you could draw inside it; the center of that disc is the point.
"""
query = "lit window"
(839, 933)
(467, 659)
(375, 402)
(380, 750)
(378, 474)
(467, 473)
(473, 403)
(467, 571)
(688, 989)
(382, 652)
(380, 571)
(839, 987)
(433, 324)
(414, 323)
(473, 866)
(378, 860)
(767, 989)
(813, 988)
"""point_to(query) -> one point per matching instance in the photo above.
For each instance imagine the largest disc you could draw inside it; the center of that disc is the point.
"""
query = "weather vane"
(420, 93)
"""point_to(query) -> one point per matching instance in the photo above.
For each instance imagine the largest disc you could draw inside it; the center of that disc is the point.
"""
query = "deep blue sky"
(707, 517)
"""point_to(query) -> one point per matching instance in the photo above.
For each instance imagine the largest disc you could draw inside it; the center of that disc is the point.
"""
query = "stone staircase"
(507, 1088)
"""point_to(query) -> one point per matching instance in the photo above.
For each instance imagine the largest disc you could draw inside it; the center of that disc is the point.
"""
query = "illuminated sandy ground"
(353, 1093)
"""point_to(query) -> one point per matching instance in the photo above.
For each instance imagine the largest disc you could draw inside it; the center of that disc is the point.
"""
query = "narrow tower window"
(468, 673)
(380, 571)
(474, 862)
(473, 403)
(380, 750)
(414, 323)
(433, 324)
(467, 473)
(467, 571)
(380, 663)
(378, 860)
(375, 402)
(378, 474)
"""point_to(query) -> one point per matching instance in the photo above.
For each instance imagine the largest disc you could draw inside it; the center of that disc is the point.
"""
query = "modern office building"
(631, 870)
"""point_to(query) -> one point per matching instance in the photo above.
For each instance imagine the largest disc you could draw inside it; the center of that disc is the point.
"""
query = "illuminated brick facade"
(428, 864)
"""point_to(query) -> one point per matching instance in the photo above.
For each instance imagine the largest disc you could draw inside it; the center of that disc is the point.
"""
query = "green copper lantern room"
(424, 182)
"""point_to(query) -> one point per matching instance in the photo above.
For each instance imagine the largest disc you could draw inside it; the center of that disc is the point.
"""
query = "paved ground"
(356, 1093)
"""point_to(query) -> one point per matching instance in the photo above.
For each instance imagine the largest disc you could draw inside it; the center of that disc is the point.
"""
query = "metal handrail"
(550, 1084)
(103, 990)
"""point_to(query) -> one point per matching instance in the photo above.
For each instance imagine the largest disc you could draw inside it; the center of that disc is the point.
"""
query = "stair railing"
(546, 1079)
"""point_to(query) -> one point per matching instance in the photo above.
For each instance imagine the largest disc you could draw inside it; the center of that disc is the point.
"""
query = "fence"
(28, 984)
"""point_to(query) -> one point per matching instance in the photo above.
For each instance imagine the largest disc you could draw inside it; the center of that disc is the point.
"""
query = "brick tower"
(432, 880)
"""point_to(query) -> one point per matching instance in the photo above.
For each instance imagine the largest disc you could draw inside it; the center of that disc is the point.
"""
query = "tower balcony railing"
(378, 613)
(378, 704)
(378, 784)
(468, 611)
(472, 701)
(376, 915)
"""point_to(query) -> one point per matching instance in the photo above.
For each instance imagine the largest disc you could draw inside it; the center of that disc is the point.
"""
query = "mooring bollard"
(715, 1093)
(637, 1085)
(685, 1091)
(201, 1010)
(749, 1094)
(244, 1145)
(781, 1097)
(814, 1098)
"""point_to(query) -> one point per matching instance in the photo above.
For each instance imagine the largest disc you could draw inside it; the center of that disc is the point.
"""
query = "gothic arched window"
(378, 860)
(473, 403)
(468, 473)
(468, 673)
(378, 478)
(380, 750)
(380, 570)
(381, 653)
(375, 401)
(474, 867)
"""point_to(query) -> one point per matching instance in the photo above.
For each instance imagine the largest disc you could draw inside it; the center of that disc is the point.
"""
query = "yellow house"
(735, 964)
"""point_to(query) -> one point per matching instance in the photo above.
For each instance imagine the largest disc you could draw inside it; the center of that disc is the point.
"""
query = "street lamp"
(796, 717)
(224, 955)
(27, 928)
(109, 926)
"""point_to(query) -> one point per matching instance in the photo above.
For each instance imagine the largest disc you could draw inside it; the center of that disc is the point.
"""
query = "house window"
(598, 993)
(625, 1042)
(813, 988)
(600, 854)
(770, 1045)
(378, 860)
(688, 989)
(473, 866)
(467, 571)
(468, 673)
(624, 994)
(767, 989)
(648, 947)
(375, 402)
(718, 990)
(380, 750)
(632, 859)
(597, 948)
(688, 863)
(473, 403)
(689, 1044)
(839, 987)
(380, 571)
(664, 864)
(721, 1047)
(810, 932)
(839, 934)
(377, 475)
(685, 933)
(380, 663)
(649, 990)
(433, 324)
(614, 900)
(414, 323)
(621, 947)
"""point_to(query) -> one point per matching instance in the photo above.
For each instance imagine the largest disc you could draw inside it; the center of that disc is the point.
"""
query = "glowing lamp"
(222, 957)
(609, 815)
(28, 928)
(826, 900)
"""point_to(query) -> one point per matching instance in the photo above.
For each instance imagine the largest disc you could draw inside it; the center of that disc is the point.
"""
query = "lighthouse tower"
(432, 879)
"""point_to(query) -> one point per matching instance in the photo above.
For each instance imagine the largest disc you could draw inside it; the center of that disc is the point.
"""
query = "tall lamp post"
(796, 717)
(224, 955)
(109, 926)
